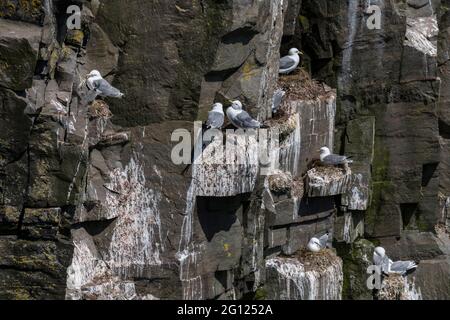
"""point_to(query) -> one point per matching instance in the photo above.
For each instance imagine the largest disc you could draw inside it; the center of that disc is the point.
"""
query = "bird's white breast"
(296, 58)
(232, 113)
(313, 246)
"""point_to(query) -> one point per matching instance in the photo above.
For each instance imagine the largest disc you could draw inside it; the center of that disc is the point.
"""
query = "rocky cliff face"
(92, 207)
(391, 117)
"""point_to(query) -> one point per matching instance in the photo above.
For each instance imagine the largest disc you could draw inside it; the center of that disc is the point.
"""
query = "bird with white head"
(388, 266)
(100, 86)
(216, 117)
(290, 62)
(318, 244)
(240, 118)
(327, 158)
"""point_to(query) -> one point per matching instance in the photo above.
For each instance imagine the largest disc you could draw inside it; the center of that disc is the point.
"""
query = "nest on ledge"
(396, 287)
(285, 123)
(318, 261)
(300, 86)
(99, 109)
(280, 182)
(321, 174)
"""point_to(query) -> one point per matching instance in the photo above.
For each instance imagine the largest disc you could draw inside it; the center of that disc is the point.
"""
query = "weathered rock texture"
(391, 118)
(92, 206)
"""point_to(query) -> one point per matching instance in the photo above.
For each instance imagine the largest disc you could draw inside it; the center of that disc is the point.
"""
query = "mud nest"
(442, 230)
(300, 86)
(99, 109)
(327, 174)
(298, 188)
(280, 182)
(395, 287)
(318, 261)
(285, 123)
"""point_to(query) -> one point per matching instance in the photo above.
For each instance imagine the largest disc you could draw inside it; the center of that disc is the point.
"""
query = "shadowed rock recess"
(92, 206)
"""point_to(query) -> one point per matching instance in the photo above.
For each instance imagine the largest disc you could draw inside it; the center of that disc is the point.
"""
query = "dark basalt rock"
(92, 206)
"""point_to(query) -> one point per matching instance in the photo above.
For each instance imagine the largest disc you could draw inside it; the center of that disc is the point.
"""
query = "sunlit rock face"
(310, 278)
(388, 82)
(93, 207)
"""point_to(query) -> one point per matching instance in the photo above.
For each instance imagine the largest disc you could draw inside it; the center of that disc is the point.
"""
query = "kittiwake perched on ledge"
(317, 244)
(240, 118)
(95, 82)
(216, 117)
(327, 158)
(290, 62)
(388, 266)
(277, 100)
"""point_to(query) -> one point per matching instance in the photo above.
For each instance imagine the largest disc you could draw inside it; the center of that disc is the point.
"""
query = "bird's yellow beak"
(301, 53)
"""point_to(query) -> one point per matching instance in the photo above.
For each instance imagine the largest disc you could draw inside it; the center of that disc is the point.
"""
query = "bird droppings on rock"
(305, 277)
(324, 181)
(316, 261)
(397, 287)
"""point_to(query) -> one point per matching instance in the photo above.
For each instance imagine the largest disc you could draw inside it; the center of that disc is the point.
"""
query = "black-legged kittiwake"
(326, 157)
(388, 266)
(290, 62)
(317, 244)
(240, 118)
(216, 117)
(95, 82)
(277, 100)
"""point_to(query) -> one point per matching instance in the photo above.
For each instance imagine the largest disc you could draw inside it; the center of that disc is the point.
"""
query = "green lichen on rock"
(356, 258)
(304, 22)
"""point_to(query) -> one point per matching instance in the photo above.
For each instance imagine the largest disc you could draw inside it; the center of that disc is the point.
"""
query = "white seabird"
(326, 157)
(317, 244)
(216, 117)
(240, 118)
(290, 62)
(277, 100)
(388, 266)
(95, 82)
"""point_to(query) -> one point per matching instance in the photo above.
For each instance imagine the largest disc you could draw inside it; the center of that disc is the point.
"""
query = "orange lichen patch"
(99, 109)
(300, 86)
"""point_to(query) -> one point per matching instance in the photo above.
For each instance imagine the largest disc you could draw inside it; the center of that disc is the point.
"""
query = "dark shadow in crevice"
(218, 214)
(242, 35)
(428, 171)
(316, 205)
(444, 129)
(94, 228)
(410, 215)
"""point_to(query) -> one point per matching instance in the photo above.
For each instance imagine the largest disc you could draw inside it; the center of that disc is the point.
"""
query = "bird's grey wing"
(334, 159)
(106, 89)
(215, 120)
(286, 62)
(402, 266)
(246, 121)
(324, 240)
(277, 99)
